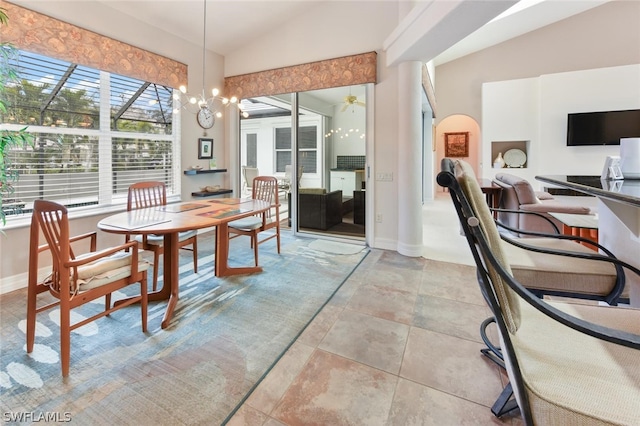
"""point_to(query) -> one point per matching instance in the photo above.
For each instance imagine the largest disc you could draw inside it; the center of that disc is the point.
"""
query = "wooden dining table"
(172, 219)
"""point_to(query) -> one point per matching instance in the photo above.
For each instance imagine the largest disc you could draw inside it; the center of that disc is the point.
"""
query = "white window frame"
(107, 199)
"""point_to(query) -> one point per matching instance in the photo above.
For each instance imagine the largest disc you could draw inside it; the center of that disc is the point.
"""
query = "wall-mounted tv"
(603, 127)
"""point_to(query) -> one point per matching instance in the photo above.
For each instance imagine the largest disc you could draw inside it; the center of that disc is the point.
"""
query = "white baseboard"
(385, 244)
(15, 282)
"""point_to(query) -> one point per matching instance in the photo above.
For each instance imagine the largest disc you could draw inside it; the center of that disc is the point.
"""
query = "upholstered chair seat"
(572, 378)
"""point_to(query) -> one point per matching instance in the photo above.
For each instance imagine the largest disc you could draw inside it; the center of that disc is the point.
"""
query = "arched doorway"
(460, 123)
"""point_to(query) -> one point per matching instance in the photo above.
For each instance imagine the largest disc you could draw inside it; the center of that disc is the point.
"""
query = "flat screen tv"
(603, 127)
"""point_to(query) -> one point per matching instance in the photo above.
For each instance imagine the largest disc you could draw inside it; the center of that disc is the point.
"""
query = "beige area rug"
(335, 247)
(224, 337)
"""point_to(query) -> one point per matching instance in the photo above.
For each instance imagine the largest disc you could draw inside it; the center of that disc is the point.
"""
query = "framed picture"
(205, 148)
(456, 144)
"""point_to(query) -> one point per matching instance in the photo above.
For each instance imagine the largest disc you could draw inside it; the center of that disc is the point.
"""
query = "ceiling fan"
(351, 100)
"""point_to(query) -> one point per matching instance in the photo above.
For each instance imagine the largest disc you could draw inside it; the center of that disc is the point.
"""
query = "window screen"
(76, 160)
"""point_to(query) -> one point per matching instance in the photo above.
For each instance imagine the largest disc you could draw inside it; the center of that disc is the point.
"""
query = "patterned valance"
(345, 71)
(37, 33)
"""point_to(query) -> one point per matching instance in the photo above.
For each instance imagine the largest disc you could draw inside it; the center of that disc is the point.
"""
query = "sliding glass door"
(318, 155)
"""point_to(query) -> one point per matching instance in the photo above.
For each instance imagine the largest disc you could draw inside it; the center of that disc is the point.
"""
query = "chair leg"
(194, 246)
(31, 317)
(156, 262)
(492, 352)
(505, 403)
(254, 243)
(143, 301)
(65, 336)
(107, 302)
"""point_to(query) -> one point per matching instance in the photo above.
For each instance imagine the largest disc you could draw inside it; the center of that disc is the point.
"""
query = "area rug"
(224, 337)
(336, 247)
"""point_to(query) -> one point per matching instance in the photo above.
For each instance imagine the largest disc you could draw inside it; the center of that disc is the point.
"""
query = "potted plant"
(8, 138)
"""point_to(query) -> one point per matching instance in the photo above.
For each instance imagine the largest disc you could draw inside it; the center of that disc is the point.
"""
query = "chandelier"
(195, 103)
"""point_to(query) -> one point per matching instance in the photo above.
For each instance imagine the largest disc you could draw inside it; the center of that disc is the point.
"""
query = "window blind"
(76, 158)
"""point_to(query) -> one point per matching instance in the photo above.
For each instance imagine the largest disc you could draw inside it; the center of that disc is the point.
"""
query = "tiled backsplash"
(351, 162)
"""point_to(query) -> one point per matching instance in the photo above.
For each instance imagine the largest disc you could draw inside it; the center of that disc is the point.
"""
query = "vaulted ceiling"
(233, 24)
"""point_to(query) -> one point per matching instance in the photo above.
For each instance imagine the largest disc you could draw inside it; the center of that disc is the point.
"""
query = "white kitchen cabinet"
(346, 181)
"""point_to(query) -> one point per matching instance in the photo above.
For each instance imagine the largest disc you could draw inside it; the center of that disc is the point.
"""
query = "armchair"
(319, 209)
(567, 364)
(78, 279)
(518, 195)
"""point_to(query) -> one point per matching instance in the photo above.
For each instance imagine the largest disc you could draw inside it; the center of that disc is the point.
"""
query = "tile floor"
(397, 345)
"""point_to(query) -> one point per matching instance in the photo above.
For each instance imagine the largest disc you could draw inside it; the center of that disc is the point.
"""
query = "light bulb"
(192, 100)
(215, 91)
(234, 99)
(183, 89)
(245, 114)
(225, 101)
(218, 114)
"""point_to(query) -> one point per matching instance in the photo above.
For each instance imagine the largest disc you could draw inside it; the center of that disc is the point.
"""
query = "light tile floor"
(397, 345)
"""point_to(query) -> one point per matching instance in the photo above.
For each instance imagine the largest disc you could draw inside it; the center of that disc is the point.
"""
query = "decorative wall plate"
(515, 158)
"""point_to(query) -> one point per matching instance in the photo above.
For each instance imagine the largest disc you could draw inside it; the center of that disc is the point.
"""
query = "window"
(252, 150)
(283, 148)
(95, 133)
(307, 147)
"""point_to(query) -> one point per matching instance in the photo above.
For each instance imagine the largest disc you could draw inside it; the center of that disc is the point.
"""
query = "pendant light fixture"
(199, 103)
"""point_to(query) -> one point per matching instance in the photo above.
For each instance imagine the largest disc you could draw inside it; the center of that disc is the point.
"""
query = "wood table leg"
(170, 282)
(222, 268)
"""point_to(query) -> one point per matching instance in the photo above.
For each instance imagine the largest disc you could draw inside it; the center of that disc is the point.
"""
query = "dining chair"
(248, 174)
(285, 183)
(150, 194)
(567, 363)
(264, 188)
(77, 279)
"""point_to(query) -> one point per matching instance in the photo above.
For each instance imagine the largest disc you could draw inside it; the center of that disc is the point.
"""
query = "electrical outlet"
(379, 217)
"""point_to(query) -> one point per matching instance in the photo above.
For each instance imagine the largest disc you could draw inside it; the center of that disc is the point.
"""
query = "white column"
(409, 159)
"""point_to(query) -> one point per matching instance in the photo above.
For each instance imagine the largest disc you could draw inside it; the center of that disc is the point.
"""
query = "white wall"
(535, 110)
(605, 36)
(349, 142)
(510, 112)
(328, 30)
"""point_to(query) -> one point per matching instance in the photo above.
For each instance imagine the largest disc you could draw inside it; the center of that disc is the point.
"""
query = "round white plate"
(515, 158)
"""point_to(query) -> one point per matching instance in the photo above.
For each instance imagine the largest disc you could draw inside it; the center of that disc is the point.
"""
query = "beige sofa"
(518, 194)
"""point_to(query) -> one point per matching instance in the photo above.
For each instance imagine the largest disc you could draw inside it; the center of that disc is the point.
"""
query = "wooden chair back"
(265, 188)
(150, 194)
(146, 194)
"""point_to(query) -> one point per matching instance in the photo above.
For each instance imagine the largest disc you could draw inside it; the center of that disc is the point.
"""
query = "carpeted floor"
(225, 336)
